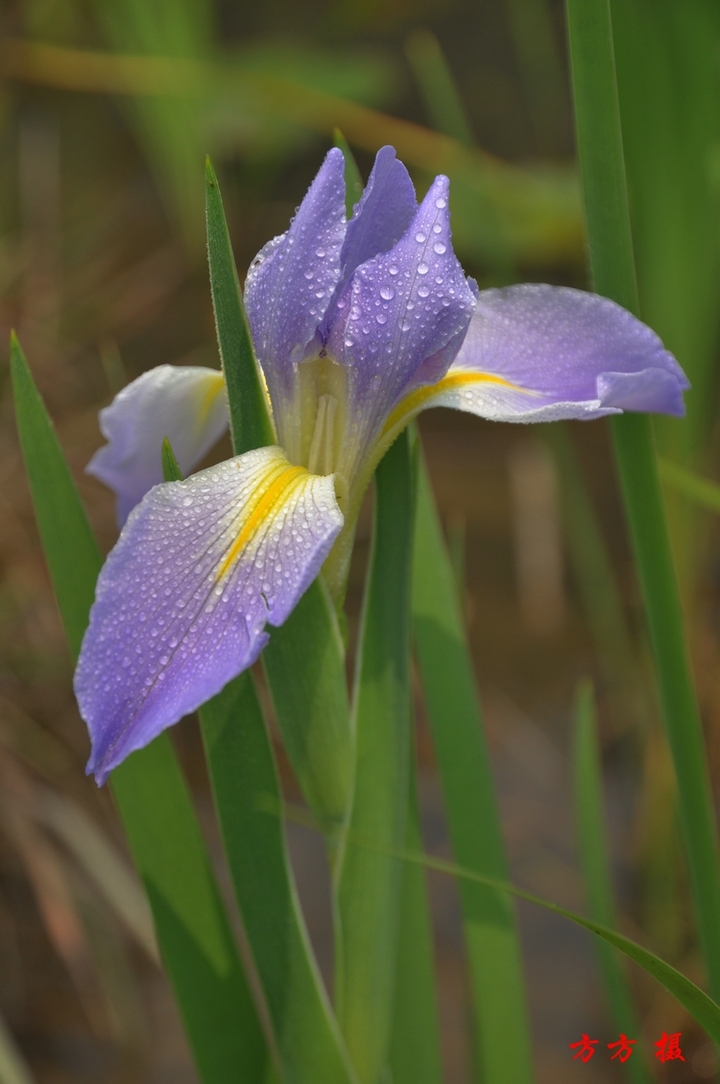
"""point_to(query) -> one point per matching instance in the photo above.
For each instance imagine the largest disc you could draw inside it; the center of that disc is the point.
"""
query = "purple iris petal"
(186, 404)
(182, 601)
(569, 354)
(404, 309)
(292, 279)
(384, 212)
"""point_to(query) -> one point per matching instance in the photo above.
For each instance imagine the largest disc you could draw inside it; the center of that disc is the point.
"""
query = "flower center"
(321, 459)
(320, 412)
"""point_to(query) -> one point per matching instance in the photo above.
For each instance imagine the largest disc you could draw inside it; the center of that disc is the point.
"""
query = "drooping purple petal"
(182, 601)
(382, 216)
(544, 353)
(186, 404)
(292, 279)
(403, 315)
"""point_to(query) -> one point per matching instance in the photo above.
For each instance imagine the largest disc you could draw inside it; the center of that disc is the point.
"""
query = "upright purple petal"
(292, 279)
(403, 315)
(543, 353)
(182, 601)
(382, 216)
(186, 404)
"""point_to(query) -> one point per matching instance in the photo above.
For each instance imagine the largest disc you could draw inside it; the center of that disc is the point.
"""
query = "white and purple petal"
(402, 317)
(184, 597)
(186, 404)
(544, 353)
(291, 282)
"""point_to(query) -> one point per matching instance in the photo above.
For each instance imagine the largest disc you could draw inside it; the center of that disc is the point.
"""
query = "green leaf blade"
(249, 805)
(71, 551)
(489, 919)
(305, 667)
(596, 867)
(600, 146)
(192, 929)
(415, 1040)
(249, 419)
(369, 883)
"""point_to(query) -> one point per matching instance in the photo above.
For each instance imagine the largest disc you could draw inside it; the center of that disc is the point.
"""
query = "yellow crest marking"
(214, 385)
(278, 492)
(415, 400)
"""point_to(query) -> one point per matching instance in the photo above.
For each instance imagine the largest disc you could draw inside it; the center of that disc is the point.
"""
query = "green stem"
(599, 138)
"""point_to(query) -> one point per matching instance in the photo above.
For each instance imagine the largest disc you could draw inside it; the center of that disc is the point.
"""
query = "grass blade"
(369, 883)
(594, 574)
(305, 667)
(701, 1007)
(157, 812)
(13, 1069)
(353, 180)
(700, 490)
(415, 1040)
(249, 418)
(611, 257)
(436, 82)
(247, 797)
(596, 867)
(489, 920)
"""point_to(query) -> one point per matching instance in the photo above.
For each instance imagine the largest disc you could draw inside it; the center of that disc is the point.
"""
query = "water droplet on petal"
(440, 247)
(309, 274)
(423, 269)
(387, 293)
(420, 238)
(404, 325)
(440, 204)
(381, 318)
(320, 252)
(393, 269)
(423, 291)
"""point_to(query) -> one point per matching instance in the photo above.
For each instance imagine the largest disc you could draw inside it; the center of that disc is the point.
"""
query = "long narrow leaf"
(369, 884)
(701, 1007)
(192, 929)
(305, 667)
(489, 920)
(249, 419)
(596, 867)
(247, 797)
(13, 1068)
(415, 1041)
(700, 490)
(611, 257)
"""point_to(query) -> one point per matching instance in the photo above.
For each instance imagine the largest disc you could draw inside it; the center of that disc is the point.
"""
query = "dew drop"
(404, 325)
(387, 293)
(393, 269)
(320, 252)
(423, 291)
(422, 269)
(309, 274)
(439, 247)
(441, 204)
(420, 238)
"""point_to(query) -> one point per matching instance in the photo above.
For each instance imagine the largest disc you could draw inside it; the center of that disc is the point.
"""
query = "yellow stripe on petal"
(417, 399)
(214, 384)
(269, 499)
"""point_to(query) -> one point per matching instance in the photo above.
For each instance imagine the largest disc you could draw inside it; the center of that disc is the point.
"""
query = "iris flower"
(357, 326)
